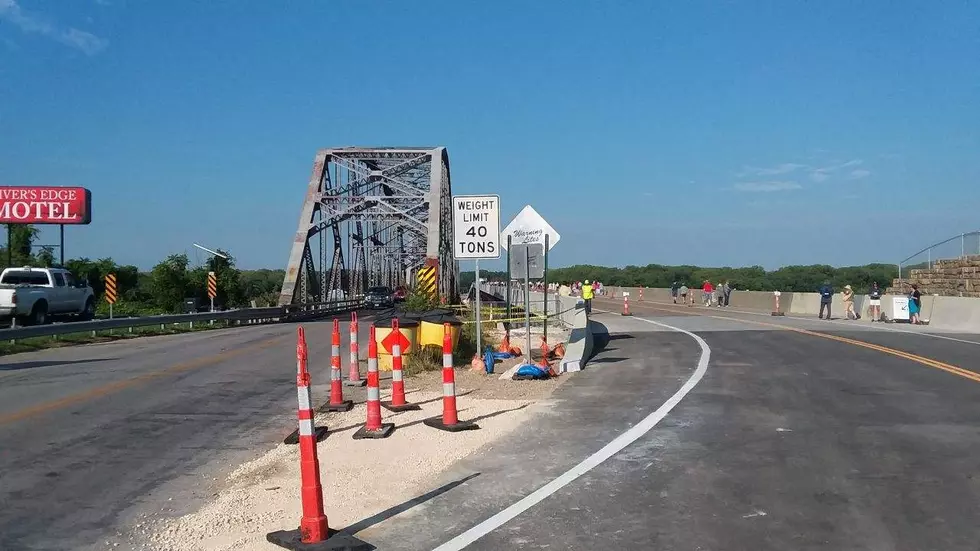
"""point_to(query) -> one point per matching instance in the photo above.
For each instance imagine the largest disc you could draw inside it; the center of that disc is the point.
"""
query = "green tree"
(45, 257)
(22, 238)
(169, 283)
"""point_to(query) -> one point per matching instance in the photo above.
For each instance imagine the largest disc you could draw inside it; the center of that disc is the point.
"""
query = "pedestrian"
(673, 291)
(683, 291)
(728, 293)
(720, 291)
(874, 298)
(826, 297)
(706, 292)
(915, 305)
(587, 295)
(849, 312)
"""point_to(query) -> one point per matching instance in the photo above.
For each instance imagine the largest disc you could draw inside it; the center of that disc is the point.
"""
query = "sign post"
(476, 235)
(532, 233)
(110, 291)
(212, 288)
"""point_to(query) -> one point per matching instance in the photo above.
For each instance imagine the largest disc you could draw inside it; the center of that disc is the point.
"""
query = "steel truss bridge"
(372, 216)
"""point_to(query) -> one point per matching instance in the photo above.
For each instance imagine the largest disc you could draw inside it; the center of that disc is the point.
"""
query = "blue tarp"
(490, 357)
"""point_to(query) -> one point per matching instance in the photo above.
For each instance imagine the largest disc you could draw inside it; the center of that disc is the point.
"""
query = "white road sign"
(528, 227)
(476, 227)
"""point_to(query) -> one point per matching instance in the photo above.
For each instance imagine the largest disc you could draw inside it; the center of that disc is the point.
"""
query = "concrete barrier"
(946, 313)
(580, 343)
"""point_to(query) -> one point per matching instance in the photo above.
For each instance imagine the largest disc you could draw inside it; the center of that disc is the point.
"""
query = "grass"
(72, 339)
(429, 358)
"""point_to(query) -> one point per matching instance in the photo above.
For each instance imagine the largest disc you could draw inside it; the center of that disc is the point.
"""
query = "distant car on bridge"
(379, 297)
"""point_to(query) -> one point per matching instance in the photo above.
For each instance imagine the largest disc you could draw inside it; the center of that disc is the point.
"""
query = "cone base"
(359, 382)
(627, 314)
(384, 432)
(436, 423)
(291, 539)
(346, 405)
(404, 407)
(319, 432)
(778, 314)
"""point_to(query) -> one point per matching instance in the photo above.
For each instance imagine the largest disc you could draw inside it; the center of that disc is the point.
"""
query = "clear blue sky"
(671, 132)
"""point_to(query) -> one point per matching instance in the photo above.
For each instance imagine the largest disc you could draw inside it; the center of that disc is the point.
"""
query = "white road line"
(594, 460)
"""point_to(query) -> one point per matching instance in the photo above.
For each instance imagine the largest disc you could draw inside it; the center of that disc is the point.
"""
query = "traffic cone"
(313, 531)
(545, 350)
(626, 305)
(337, 402)
(449, 420)
(397, 402)
(303, 381)
(776, 311)
(354, 374)
(373, 428)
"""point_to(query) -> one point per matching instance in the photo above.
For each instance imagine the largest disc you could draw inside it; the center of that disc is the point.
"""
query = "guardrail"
(297, 312)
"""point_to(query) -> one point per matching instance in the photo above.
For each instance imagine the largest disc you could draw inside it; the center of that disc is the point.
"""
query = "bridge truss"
(372, 216)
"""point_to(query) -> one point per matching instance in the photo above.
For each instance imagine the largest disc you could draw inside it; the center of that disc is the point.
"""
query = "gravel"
(360, 478)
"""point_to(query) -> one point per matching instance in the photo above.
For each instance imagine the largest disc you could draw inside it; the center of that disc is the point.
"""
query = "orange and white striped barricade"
(449, 421)
(354, 373)
(337, 402)
(776, 311)
(397, 402)
(626, 304)
(373, 427)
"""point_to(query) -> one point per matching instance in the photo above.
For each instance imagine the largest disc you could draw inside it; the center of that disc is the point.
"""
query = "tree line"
(802, 279)
(161, 290)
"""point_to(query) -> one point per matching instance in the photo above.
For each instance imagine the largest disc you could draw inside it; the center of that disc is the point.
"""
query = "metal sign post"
(527, 302)
(476, 235)
(479, 315)
(546, 239)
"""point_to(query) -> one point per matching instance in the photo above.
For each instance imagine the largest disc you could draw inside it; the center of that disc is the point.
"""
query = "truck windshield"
(24, 277)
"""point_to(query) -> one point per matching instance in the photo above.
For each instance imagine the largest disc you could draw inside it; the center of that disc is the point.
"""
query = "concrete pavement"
(791, 440)
(93, 436)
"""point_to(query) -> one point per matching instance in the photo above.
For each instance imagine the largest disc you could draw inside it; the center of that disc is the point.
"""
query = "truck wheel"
(88, 313)
(39, 314)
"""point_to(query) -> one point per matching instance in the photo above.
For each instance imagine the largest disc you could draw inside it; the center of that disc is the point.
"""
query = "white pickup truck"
(33, 295)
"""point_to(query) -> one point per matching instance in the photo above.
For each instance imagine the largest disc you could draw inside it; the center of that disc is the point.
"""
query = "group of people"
(720, 296)
(874, 302)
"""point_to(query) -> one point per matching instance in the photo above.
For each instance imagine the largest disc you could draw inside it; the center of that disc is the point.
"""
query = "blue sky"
(703, 132)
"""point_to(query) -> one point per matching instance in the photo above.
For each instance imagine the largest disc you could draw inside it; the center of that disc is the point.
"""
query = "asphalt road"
(92, 437)
(793, 439)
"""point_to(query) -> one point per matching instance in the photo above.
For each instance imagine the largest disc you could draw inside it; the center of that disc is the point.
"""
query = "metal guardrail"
(250, 315)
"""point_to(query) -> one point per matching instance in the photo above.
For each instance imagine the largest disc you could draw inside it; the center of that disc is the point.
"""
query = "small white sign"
(476, 227)
(900, 308)
(529, 227)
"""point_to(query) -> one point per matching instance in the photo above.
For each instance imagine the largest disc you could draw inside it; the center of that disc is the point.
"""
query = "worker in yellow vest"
(587, 295)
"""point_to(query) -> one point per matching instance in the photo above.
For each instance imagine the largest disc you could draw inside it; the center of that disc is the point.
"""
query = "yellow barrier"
(431, 333)
(384, 357)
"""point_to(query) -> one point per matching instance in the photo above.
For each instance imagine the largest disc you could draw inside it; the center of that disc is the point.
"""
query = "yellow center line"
(949, 368)
(110, 388)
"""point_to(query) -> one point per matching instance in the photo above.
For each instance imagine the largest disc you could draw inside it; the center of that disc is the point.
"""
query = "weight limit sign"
(476, 227)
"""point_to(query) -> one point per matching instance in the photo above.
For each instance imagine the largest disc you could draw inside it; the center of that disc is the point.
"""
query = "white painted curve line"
(591, 462)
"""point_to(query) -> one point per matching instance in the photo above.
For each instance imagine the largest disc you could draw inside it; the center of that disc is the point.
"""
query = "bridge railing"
(958, 246)
(297, 312)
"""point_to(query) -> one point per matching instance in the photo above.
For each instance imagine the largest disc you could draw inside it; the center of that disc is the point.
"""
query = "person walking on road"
(673, 291)
(874, 298)
(849, 312)
(683, 291)
(826, 297)
(707, 291)
(727, 293)
(587, 295)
